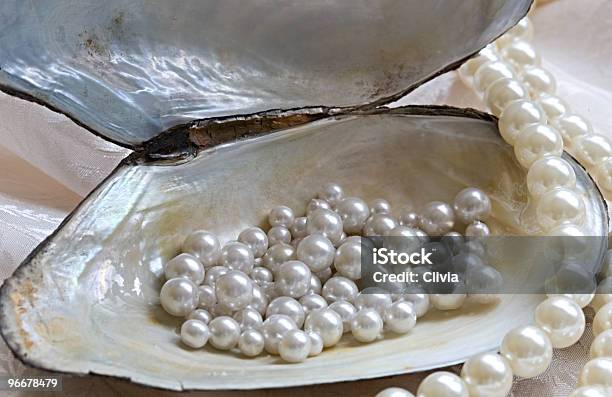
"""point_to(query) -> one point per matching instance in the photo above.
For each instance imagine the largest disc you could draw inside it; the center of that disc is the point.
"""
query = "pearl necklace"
(538, 124)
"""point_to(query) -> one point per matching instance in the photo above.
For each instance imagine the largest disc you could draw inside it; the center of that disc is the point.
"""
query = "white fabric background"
(48, 164)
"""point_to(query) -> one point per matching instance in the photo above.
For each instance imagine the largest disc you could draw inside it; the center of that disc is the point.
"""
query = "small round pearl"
(380, 206)
(394, 392)
(259, 301)
(603, 174)
(597, 372)
(490, 72)
(477, 229)
(207, 297)
(273, 330)
(373, 298)
(287, 306)
(256, 239)
(503, 92)
(538, 80)
(234, 290)
(591, 149)
(528, 350)
(347, 260)
(295, 346)
(316, 251)
(312, 302)
(447, 301)
(298, 229)
(487, 375)
(558, 206)
(442, 384)
(185, 265)
(419, 301)
(194, 333)
(213, 274)
(366, 325)
(315, 285)
(516, 116)
(277, 255)
(603, 319)
(293, 279)
(354, 213)
(224, 332)
(469, 68)
(331, 192)
(237, 256)
(346, 311)
(179, 296)
(379, 225)
(437, 218)
(552, 105)
(471, 204)
(562, 319)
(571, 126)
(326, 323)
(316, 344)
(520, 54)
(261, 275)
(203, 245)
(548, 173)
(324, 274)
(589, 391)
(278, 235)
(603, 294)
(281, 216)
(408, 218)
(400, 317)
(251, 343)
(248, 318)
(602, 345)
(201, 315)
(325, 222)
(339, 288)
(316, 204)
(536, 141)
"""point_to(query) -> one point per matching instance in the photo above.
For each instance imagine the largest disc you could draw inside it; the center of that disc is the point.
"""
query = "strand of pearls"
(538, 124)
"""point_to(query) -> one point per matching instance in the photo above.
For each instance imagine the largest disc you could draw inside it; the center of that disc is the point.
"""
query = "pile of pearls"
(295, 290)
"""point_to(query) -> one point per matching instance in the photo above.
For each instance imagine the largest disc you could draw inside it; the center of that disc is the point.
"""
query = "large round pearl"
(346, 311)
(591, 149)
(277, 255)
(251, 342)
(571, 126)
(331, 192)
(279, 234)
(447, 301)
(273, 330)
(558, 206)
(437, 218)
(502, 92)
(516, 116)
(487, 375)
(281, 216)
(603, 319)
(207, 298)
(394, 392)
(325, 222)
(203, 245)
(316, 204)
(293, 279)
(316, 251)
(179, 296)
(400, 317)
(590, 391)
(248, 318)
(442, 384)
(339, 288)
(224, 332)
(562, 319)
(380, 206)
(536, 141)
(552, 105)
(288, 307)
(234, 290)
(419, 301)
(597, 372)
(201, 315)
(194, 333)
(312, 302)
(256, 239)
(316, 344)
(295, 346)
(379, 225)
(261, 275)
(528, 350)
(213, 274)
(354, 213)
(259, 301)
(472, 204)
(237, 256)
(185, 265)
(326, 323)
(602, 345)
(520, 54)
(603, 175)
(538, 80)
(347, 260)
(373, 298)
(366, 325)
(548, 173)
(490, 72)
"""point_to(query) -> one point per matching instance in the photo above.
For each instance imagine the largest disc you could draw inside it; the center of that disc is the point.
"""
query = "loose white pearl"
(591, 149)
(326, 323)
(339, 288)
(558, 206)
(503, 92)
(277, 255)
(408, 218)
(248, 318)
(203, 245)
(237, 256)
(603, 294)
(597, 372)
(261, 275)
(581, 300)
(331, 192)
(571, 126)
(273, 330)
(419, 301)
(520, 54)
(442, 384)
(293, 279)
(400, 317)
(373, 298)
(295, 346)
(287, 306)
(281, 216)
(298, 229)
(185, 265)
(194, 333)
(528, 350)
(469, 68)
(316, 204)
(487, 375)
(251, 343)
(380, 206)
(347, 260)
(179, 296)
(207, 297)
(602, 345)
(447, 301)
(326, 223)
(548, 173)
(437, 218)
(201, 315)
(366, 325)
(603, 319)
(324, 274)
(354, 213)
(590, 391)
(256, 239)
(315, 285)
(379, 225)
(603, 174)
(516, 116)
(477, 229)
(316, 344)
(279, 234)
(312, 302)
(536, 141)
(394, 392)
(346, 311)
(562, 319)
(224, 332)
(234, 290)
(471, 204)
(538, 80)
(259, 301)
(213, 274)
(552, 105)
(316, 251)
(490, 72)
